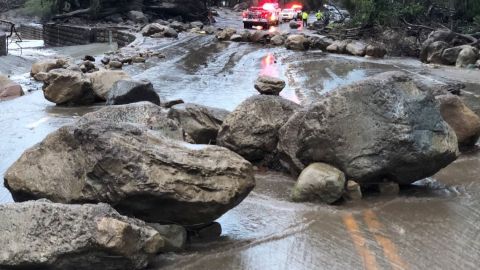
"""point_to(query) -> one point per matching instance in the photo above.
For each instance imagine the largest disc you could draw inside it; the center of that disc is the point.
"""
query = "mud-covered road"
(434, 224)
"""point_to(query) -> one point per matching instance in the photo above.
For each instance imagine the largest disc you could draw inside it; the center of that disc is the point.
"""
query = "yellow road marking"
(388, 246)
(369, 261)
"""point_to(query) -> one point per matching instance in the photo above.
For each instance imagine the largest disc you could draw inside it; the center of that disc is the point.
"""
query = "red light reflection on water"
(268, 66)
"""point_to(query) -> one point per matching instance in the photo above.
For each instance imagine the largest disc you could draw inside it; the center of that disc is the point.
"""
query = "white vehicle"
(288, 14)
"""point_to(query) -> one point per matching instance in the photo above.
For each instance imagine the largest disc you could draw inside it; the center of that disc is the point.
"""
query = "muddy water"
(433, 224)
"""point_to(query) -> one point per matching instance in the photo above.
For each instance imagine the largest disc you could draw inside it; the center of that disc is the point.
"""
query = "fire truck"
(265, 16)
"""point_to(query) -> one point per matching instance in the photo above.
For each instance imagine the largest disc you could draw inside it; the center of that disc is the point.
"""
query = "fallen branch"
(473, 41)
(73, 13)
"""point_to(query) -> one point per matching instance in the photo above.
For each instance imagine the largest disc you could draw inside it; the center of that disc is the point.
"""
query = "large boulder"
(442, 38)
(376, 50)
(141, 113)
(338, 46)
(319, 182)
(356, 48)
(45, 235)
(131, 91)
(136, 170)
(259, 36)
(251, 130)
(68, 87)
(386, 126)
(9, 89)
(47, 65)
(463, 120)
(320, 42)
(277, 40)
(433, 53)
(267, 85)
(450, 55)
(297, 42)
(103, 81)
(467, 56)
(200, 123)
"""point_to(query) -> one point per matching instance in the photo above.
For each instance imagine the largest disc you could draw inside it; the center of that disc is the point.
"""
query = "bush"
(39, 8)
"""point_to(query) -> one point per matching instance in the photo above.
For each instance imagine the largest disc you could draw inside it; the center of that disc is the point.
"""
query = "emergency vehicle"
(265, 16)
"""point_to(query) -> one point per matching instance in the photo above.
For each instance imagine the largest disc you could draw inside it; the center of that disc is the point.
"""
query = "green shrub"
(40, 8)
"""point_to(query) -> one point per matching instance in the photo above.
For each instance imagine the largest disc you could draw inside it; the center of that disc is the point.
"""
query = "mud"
(431, 224)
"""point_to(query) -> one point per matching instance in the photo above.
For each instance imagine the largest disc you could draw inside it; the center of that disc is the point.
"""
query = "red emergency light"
(296, 6)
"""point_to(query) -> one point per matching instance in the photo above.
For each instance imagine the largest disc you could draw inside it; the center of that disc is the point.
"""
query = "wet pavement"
(433, 224)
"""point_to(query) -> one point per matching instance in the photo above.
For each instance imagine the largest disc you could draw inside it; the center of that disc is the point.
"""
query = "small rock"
(294, 25)
(9, 89)
(138, 59)
(236, 38)
(197, 24)
(89, 58)
(353, 191)
(319, 182)
(268, 85)
(467, 56)
(209, 29)
(389, 188)
(105, 60)
(131, 91)
(115, 65)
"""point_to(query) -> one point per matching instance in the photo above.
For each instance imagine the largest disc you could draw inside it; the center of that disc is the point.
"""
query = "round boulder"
(68, 87)
(268, 85)
(467, 56)
(356, 48)
(319, 182)
(297, 42)
(131, 91)
(251, 130)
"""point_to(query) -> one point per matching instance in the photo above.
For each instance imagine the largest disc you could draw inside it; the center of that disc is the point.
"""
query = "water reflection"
(269, 66)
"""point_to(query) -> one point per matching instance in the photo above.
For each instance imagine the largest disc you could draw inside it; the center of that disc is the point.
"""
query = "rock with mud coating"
(68, 87)
(200, 123)
(297, 42)
(45, 235)
(142, 113)
(226, 34)
(103, 81)
(294, 25)
(9, 89)
(277, 40)
(267, 85)
(158, 30)
(319, 182)
(356, 48)
(376, 50)
(47, 65)
(136, 170)
(463, 120)
(131, 91)
(338, 46)
(467, 56)
(386, 126)
(251, 130)
(434, 51)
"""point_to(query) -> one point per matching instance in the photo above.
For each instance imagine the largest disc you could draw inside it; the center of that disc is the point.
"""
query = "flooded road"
(433, 224)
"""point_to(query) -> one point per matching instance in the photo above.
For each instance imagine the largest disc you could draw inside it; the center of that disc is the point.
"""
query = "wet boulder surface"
(136, 170)
(103, 81)
(131, 91)
(200, 123)
(143, 113)
(386, 126)
(45, 235)
(251, 130)
(68, 88)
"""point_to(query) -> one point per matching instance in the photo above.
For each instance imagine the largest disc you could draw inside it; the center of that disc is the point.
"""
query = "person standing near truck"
(305, 18)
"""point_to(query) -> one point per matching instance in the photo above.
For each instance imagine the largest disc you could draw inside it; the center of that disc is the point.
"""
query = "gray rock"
(434, 52)
(178, 26)
(356, 48)
(226, 34)
(259, 36)
(159, 30)
(175, 236)
(115, 64)
(142, 113)
(467, 56)
(443, 39)
(297, 42)
(67, 87)
(294, 25)
(136, 170)
(389, 188)
(376, 50)
(268, 85)
(319, 182)
(338, 46)
(197, 24)
(450, 55)
(210, 232)
(251, 130)
(462, 119)
(137, 17)
(386, 126)
(131, 91)
(353, 191)
(320, 43)
(201, 123)
(277, 40)
(45, 235)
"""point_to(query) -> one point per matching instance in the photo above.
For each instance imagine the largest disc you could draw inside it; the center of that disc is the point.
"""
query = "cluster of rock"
(70, 85)
(384, 129)
(171, 28)
(121, 162)
(442, 47)
(302, 42)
